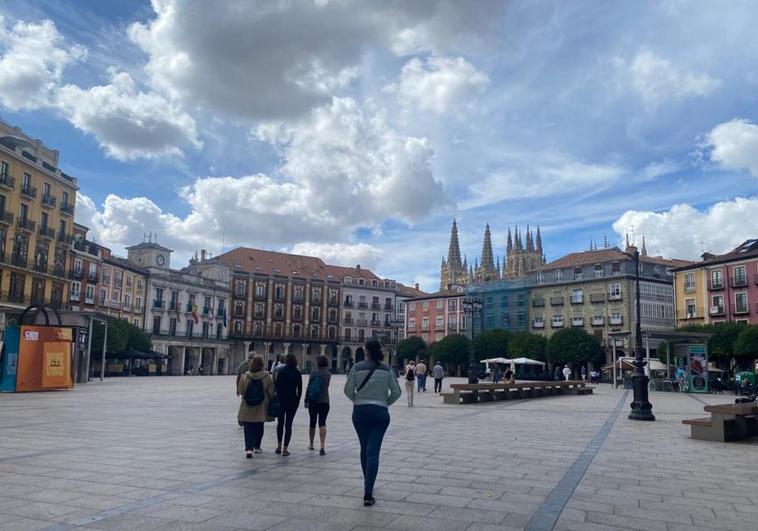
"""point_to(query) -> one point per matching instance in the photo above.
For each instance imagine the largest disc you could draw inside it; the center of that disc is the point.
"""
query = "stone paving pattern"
(166, 453)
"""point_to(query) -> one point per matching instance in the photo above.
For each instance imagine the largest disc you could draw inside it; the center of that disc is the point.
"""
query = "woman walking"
(317, 401)
(410, 380)
(256, 389)
(372, 387)
(289, 389)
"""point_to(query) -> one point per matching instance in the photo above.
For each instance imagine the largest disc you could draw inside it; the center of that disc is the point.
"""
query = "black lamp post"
(642, 409)
(472, 306)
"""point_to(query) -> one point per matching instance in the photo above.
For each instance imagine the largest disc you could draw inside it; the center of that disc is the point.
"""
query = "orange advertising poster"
(44, 358)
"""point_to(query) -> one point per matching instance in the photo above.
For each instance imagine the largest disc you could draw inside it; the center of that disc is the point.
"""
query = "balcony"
(598, 320)
(377, 324)
(59, 270)
(29, 191)
(538, 303)
(332, 302)
(159, 304)
(77, 273)
(348, 304)
(376, 306)
(74, 296)
(615, 320)
(614, 296)
(715, 286)
(556, 301)
(6, 217)
(207, 311)
(25, 224)
(596, 298)
(6, 181)
(577, 321)
(361, 322)
(538, 323)
(363, 305)
(739, 282)
(348, 321)
(67, 209)
(189, 307)
(717, 310)
(47, 232)
(389, 308)
(220, 311)
(740, 309)
(556, 323)
(92, 277)
(65, 238)
(577, 299)
(40, 268)
(48, 200)
(689, 288)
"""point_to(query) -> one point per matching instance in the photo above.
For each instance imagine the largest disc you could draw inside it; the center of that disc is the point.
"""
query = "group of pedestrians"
(264, 396)
(416, 374)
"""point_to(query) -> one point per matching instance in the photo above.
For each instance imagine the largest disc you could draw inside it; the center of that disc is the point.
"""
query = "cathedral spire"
(509, 245)
(529, 240)
(454, 249)
(488, 261)
(644, 249)
(518, 239)
(539, 241)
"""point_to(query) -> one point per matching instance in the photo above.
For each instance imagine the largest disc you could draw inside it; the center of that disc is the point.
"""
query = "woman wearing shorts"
(317, 402)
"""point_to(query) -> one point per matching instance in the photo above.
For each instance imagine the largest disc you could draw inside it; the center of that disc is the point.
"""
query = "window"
(61, 229)
(89, 296)
(172, 326)
(27, 181)
(717, 280)
(297, 293)
(440, 304)
(106, 275)
(138, 303)
(576, 296)
(689, 282)
(425, 323)
(740, 302)
(411, 307)
(540, 277)
(278, 311)
(47, 190)
(279, 292)
(78, 265)
(452, 322)
(691, 308)
(315, 313)
(657, 271)
(740, 278)
(614, 291)
(76, 288)
(93, 270)
(558, 275)
(598, 270)
(452, 305)
(425, 306)
(43, 221)
(3, 169)
(64, 198)
(116, 295)
(717, 304)
(239, 288)
(439, 322)
(127, 300)
(578, 274)
(315, 295)
(23, 214)
(260, 290)
(411, 324)
(103, 296)
(118, 276)
(349, 281)
(157, 324)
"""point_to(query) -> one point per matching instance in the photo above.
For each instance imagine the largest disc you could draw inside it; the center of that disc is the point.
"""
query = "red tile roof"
(408, 291)
(443, 294)
(275, 263)
(608, 255)
(355, 272)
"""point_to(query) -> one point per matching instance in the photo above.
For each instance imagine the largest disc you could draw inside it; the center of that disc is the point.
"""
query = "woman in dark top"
(289, 389)
(318, 408)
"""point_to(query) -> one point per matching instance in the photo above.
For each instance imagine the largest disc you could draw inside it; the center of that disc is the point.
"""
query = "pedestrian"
(438, 373)
(256, 389)
(509, 376)
(584, 373)
(276, 366)
(200, 370)
(566, 372)
(242, 368)
(410, 380)
(288, 383)
(557, 376)
(421, 376)
(372, 388)
(317, 401)
(495, 373)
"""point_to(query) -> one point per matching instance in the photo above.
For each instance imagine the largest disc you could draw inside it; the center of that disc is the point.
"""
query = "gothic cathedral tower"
(454, 271)
(523, 257)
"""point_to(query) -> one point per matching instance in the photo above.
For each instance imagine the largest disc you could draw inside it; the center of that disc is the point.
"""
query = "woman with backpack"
(289, 389)
(410, 379)
(372, 387)
(317, 401)
(256, 389)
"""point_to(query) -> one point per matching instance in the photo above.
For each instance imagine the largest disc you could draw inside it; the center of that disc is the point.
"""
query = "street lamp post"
(472, 306)
(642, 409)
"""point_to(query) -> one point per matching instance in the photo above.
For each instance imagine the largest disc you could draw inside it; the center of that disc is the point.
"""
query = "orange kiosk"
(45, 354)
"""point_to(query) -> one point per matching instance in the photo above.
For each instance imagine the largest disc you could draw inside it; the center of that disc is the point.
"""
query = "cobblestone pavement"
(166, 453)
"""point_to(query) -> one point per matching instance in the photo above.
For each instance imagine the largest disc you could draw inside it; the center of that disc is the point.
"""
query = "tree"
(118, 334)
(451, 350)
(411, 348)
(662, 350)
(721, 344)
(746, 345)
(526, 345)
(492, 344)
(574, 346)
(138, 339)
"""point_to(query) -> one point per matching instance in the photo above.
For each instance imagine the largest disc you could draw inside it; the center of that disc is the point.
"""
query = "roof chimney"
(358, 267)
(202, 255)
(416, 285)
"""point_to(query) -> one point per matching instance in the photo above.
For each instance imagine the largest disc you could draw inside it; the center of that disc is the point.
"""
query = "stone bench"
(488, 392)
(728, 422)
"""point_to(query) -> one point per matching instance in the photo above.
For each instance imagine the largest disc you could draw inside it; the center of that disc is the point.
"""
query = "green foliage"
(746, 345)
(411, 348)
(574, 345)
(526, 345)
(122, 335)
(661, 352)
(452, 349)
(721, 345)
(492, 344)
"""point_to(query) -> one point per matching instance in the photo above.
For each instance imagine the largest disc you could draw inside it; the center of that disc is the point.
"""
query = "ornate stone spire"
(529, 240)
(644, 249)
(509, 245)
(454, 249)
(488, 261)
(518, 240)
(539, 241)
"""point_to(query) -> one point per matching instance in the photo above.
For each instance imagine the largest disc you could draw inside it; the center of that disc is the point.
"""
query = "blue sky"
(356, 130)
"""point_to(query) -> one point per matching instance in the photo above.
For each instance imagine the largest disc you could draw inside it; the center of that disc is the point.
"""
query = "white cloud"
(127, 123)
(683, 231)
(657, 80)
(32, 62)
(539, 175)
(276, 60)
(344, 254)
(734, 145)
(439, 84)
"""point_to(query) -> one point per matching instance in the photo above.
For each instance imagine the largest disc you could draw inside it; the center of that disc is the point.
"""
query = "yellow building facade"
(37, 204)
(691, 297)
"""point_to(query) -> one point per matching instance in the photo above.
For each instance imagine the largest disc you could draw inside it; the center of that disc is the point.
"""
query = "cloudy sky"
(357, 130)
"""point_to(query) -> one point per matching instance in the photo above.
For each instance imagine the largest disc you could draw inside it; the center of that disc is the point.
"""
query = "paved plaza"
(166, 453)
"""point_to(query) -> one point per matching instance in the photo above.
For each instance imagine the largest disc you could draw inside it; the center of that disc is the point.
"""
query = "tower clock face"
(160, 260)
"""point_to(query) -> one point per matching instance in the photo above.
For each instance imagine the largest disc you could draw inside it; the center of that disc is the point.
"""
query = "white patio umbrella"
(526, 361)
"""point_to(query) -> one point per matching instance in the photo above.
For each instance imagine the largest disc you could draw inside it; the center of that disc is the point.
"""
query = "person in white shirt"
(566, 372)
(410, 381)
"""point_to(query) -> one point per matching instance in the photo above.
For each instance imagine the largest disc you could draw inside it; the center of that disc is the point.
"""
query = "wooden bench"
(487, 392)
(728, 422)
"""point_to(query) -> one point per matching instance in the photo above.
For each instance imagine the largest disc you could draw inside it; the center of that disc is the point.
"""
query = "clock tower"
(150, 255)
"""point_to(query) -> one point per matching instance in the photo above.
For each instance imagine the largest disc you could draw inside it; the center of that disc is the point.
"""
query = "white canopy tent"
(526, 361)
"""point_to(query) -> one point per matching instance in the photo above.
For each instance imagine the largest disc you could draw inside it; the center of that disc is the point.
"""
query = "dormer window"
(349, 281)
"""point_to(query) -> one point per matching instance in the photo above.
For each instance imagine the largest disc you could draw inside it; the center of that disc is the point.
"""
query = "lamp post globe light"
(642, 409)
(472, 306)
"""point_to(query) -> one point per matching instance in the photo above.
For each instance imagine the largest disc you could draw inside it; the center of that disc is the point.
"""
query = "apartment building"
(435, 315)
(719, 287)
(402, 294)
(36, 223)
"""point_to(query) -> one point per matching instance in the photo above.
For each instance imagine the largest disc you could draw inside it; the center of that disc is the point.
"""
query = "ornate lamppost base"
(642, 409)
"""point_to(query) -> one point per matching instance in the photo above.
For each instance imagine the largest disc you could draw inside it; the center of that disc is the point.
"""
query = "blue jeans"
(421, 381)
(370, 424)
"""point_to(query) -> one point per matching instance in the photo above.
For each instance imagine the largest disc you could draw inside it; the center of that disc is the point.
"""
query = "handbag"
(274, 407)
